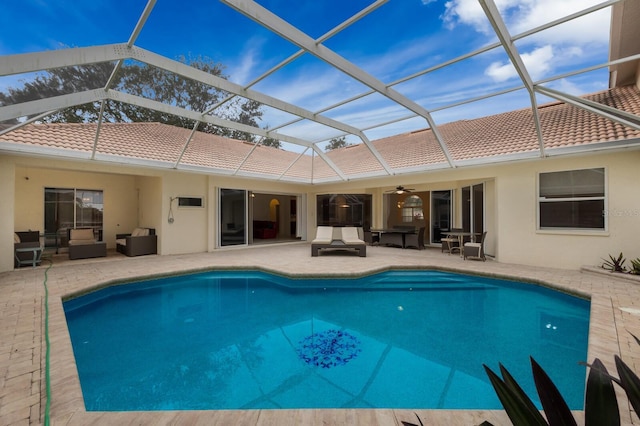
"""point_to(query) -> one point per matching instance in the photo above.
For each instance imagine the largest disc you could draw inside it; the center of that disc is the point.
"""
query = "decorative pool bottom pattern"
(248, 340)
(329, 348)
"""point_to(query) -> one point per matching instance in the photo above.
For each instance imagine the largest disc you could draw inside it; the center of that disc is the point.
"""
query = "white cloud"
(538, 62)
(242, 70)
(591, 28)
(468, 12)
(522, 15)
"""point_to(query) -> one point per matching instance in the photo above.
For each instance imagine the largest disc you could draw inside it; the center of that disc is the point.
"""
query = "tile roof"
(488, 138)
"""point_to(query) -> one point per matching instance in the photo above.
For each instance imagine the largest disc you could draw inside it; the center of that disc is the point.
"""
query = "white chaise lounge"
(348, 239)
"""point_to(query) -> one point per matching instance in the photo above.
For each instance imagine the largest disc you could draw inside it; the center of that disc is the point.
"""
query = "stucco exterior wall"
(120, 202)
(521, 242)
(141, 197)
(511, 205)
(7, 195)
(190, 227)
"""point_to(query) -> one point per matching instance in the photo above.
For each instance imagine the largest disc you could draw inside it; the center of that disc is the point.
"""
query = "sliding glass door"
(68, 208)
(233, 217)
(473, 208)
(440, 215)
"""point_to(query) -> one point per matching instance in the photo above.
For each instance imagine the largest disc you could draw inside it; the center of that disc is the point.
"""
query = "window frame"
(77, 218)
(190, 206)
(566, 229)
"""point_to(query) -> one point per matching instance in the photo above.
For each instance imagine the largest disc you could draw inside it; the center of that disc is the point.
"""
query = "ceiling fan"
(401, 190)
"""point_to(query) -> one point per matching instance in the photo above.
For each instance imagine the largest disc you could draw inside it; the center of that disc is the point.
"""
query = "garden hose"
(47, 379)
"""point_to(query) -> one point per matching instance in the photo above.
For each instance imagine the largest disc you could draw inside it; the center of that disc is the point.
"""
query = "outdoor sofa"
(141, 241)
(83, 244)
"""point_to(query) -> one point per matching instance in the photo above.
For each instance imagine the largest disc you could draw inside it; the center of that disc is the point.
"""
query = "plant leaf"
(601, 404)
(517, 409)
(555, 407)
(515, 387)
(630, 383)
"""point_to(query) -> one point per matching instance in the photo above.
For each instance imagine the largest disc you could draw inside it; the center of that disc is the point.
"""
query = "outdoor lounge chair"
(348, 240)
(475, 250)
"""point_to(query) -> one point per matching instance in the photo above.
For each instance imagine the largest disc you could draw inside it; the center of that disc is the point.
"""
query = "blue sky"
(398, 39)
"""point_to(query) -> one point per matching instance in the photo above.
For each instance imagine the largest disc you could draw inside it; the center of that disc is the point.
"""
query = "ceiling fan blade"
(400, 190)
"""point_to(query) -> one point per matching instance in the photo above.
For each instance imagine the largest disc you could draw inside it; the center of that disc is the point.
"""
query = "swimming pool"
(249, 340)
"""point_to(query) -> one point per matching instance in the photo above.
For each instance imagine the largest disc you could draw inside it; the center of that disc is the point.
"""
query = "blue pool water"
(249, 340)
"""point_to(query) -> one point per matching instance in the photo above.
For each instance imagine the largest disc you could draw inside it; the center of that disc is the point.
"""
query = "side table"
(35, 259)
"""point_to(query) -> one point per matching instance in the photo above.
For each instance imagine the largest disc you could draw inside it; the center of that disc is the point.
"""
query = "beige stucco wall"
(141, 197)
(511, 207)
(522, 242)
(120, 202)
(7, 195)
(190, 228)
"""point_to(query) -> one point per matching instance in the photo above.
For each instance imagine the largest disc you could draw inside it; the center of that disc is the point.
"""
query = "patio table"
(402, 232)
(34, 261)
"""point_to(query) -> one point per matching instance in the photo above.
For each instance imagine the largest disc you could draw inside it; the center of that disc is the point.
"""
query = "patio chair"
(371, 238)
(475, 250)
(451, 242)
(415, 240)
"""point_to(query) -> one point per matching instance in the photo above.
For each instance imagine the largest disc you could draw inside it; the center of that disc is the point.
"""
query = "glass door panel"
(440, 214)
(478, 208)
(233, 217)
(89, 209)
(473, 208)
(59, 215)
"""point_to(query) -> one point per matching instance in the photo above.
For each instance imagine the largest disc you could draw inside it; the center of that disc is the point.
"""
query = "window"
(66, 209)
(412, 209)
(344, 210)
(190, 202)
(572, 199)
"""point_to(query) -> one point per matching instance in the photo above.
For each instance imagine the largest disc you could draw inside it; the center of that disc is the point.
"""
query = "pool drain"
(329, 348)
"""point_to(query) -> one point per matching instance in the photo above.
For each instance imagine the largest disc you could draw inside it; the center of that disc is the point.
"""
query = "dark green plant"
(614, 264)
(635, 267)
(600, 407)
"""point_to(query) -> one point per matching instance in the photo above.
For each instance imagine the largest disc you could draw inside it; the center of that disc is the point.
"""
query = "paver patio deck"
(615, 313)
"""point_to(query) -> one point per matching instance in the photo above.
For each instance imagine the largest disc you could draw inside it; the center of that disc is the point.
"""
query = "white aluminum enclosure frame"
(118, 53)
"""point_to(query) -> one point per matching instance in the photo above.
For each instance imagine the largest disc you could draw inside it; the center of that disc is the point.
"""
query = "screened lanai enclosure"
(379, 79)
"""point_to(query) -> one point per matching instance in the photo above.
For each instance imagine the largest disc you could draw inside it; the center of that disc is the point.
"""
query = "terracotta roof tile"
(566, 125)
(354, 160)
(408, 150)
(513, 132)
